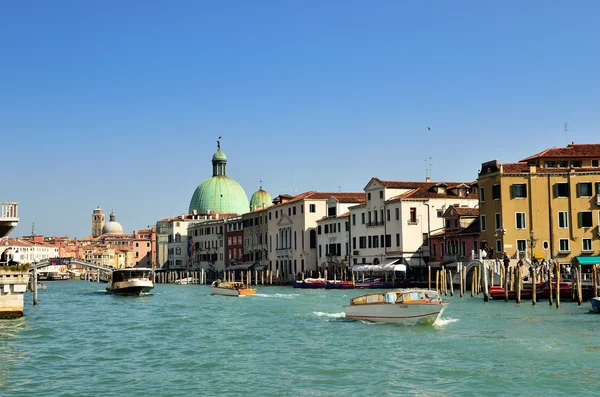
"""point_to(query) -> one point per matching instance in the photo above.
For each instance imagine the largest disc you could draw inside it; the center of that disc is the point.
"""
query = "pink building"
(459, 237)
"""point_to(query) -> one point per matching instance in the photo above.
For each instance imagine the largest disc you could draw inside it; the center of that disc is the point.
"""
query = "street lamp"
(532, 240)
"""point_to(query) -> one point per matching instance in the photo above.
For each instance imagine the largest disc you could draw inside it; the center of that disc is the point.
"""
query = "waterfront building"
(172, 250)
(144, 247)
(255, 230)
(234, 243)
(219, 193)
(546, 205)
(394, 223)
(209, 243)
(97, 222)
(292, 228)
(333, 236)
(31, 251)
(458, 241)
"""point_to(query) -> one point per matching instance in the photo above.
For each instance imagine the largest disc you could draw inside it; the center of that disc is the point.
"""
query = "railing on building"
(9, 211)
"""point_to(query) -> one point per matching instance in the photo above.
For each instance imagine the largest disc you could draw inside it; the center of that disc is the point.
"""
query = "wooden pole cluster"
(533, 287)
(517, 284)
(558, 278)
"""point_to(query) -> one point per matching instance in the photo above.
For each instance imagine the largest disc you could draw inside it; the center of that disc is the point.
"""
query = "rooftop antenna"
(33, 229)
(566, 134)
(428, 168)
(339, 188)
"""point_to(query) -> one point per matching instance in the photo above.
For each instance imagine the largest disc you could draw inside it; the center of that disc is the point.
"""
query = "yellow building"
(548, 204)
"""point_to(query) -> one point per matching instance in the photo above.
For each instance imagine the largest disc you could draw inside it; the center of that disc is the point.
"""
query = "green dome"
(219, 155)
(259, 199)
(220, 194)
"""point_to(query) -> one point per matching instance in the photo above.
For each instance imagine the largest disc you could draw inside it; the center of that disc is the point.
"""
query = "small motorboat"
(595, 304)
(403, 306)
(311, 283)
(231, 288)
(184, 281)
(41, 286)
(130, 281)
(332, 284)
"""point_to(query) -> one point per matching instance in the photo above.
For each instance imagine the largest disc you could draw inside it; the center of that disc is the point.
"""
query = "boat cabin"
(405, 297)
(124, 275)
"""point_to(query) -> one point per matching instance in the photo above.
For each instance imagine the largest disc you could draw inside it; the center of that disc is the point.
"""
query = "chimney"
(427, 179)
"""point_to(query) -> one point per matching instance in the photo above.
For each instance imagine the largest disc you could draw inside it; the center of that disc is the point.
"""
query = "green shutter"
(597, 187)
(580, 218)
(555, 190)
(513, 190)
(579, 190)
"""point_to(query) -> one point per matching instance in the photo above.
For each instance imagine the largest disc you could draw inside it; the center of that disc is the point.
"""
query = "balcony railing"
(413, 221)
(9, 211)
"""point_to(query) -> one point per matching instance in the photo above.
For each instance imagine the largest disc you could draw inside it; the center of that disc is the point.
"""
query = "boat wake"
(445, 321)
(284, 296)
(332, 315)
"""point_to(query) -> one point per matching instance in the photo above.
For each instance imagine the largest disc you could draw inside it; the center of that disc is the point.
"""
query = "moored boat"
(542, 291)
(402, 306)
(595, 304)
(311, 283)
(130, 281)
(332, 284)
(231, 288)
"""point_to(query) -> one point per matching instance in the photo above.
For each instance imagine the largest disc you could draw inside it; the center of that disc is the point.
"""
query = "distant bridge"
(70, 261)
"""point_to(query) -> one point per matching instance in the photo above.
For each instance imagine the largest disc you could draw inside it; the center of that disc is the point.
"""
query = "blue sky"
(119, 104)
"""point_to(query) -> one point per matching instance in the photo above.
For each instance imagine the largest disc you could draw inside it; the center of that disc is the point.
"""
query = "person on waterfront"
(4, 258)
(16, 258)
(506, 260)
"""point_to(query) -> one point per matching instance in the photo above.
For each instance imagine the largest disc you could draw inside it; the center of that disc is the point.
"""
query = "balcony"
(283, 252)
(374, 224)
(413, 222)
(9, 217)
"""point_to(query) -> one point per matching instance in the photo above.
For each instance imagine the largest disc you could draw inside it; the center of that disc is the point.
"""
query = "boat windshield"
(126, 275)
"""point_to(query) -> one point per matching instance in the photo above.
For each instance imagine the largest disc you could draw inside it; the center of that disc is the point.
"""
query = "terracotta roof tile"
(572, 150)
(466, 211)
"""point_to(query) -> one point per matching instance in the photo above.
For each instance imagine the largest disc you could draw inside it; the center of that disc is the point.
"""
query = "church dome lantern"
(219, 193)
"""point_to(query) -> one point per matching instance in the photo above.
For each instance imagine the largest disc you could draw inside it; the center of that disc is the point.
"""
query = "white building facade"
(397, 217)
(292, 229)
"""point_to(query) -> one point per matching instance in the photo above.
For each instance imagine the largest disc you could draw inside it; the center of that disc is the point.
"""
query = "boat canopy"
(588, 260)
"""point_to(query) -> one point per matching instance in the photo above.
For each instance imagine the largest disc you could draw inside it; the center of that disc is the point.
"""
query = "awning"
(588, 260)
(399, 268)
(241, 266)
(389, 261)
(413, 262)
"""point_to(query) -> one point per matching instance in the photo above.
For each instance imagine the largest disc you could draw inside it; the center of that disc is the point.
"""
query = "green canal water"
(182, 341)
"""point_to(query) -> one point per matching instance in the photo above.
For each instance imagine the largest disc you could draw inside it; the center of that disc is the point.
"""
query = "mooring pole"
(34, 288)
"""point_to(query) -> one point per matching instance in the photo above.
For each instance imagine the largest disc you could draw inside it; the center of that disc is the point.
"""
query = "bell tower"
(97, 222)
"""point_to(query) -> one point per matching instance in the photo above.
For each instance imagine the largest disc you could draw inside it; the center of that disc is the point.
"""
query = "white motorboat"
(184, 281)
(131, 281)
(232, 288)
(403, 306)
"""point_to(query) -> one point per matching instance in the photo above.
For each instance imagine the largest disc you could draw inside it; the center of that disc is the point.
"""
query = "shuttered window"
(519, 190)
(585, 219)
(584, 189)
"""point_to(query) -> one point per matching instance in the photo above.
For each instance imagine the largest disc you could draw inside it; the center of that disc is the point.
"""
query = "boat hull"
(595, 304)
(311, 283)
(131, 287)
(231, 292)
(397, 313)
